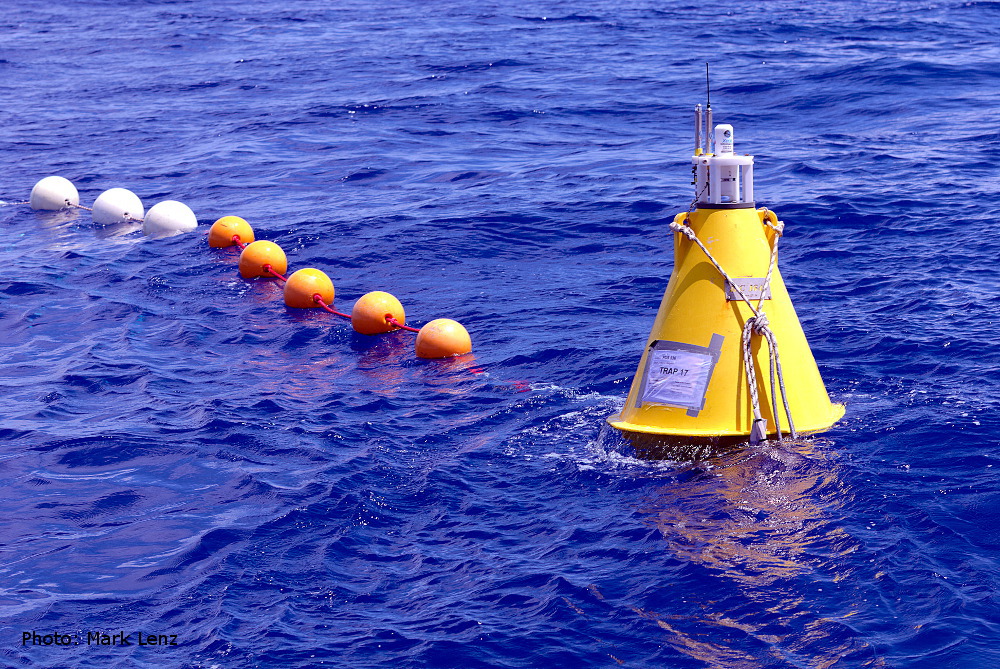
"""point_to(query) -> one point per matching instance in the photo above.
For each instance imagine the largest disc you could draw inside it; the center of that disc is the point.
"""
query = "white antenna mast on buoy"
(708, 112)
(721, 178)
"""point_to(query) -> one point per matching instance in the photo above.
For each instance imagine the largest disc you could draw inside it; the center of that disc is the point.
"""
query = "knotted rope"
(757, 325)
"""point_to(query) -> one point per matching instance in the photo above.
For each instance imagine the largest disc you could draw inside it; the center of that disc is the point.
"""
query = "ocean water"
(182, 455)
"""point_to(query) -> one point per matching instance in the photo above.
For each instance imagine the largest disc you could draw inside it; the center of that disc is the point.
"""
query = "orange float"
(304, 284)
(372, 310)
(443, 338)
(260, 253)
(221, 234)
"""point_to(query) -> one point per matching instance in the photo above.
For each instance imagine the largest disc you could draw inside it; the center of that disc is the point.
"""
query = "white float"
(117, 205)
(167, 218)
(54, 193)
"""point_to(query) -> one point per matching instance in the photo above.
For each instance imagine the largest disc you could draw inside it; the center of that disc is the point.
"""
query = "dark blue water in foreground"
(182, 455)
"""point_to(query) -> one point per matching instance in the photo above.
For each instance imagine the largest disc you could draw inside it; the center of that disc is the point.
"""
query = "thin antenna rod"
(709, 128)
(708, 88)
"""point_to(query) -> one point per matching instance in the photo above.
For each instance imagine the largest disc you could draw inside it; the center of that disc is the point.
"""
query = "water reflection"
(118, 229)
(61, 220)
(54, 230)
(380, 360)
(749, 513)
(297, 376)
(449, 376)
(760, 519)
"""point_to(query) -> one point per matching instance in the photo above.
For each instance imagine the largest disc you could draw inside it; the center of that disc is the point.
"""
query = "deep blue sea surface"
(181, 454)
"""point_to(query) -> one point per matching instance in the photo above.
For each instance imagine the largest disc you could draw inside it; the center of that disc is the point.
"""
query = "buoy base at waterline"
(653, 444)
(669, 432)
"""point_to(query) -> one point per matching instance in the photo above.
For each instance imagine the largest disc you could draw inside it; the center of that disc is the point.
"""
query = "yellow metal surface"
(694, 308)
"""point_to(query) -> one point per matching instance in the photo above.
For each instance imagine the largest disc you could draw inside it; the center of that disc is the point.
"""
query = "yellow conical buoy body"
(692, 379)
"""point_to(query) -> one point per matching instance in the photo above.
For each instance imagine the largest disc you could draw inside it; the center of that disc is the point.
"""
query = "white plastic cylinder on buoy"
(167, 218)
(723, 139)
(117, 205)
(54, 193)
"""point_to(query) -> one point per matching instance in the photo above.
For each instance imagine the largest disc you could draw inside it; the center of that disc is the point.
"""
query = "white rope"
(758, 431)
(126, 217)
(755, 325)
(686, 230)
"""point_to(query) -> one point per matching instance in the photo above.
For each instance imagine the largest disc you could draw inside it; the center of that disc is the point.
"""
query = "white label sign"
(677, 378)
(752, 289)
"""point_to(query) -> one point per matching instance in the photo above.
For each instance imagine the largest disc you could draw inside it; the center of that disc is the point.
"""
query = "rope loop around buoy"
(686, 230)
(777, 226)
(755, 325)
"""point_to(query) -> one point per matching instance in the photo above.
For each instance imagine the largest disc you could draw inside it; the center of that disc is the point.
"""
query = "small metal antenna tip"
(708, 87)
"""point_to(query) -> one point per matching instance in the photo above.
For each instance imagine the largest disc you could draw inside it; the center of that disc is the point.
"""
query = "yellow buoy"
(372, 311)
(258, 254)
(304, 284)
(706, 370)
(221, 234)
(442, 338)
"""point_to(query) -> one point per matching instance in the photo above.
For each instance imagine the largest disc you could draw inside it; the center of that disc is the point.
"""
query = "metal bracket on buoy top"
(724, 180)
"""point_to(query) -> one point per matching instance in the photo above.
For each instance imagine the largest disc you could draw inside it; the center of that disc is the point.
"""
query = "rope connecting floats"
(116, 205)
(389, 318)
(374, 313)
(755, 325)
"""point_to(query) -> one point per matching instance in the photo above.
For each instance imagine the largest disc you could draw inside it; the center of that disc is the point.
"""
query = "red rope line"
(236, 240)
(267, 268)
(318, 299)
(392, 321)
